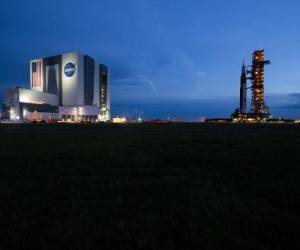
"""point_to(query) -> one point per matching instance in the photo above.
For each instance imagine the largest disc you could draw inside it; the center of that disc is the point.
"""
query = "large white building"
(70, 86)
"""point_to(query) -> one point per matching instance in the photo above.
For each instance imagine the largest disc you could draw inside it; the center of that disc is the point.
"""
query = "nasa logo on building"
(69, 69)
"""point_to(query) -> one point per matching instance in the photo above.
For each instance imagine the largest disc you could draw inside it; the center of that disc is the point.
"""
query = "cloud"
(119, 71)
(280, 106)
(184, 109)
(150, 83)
(139, 81)
(289, 101)
(295, 95)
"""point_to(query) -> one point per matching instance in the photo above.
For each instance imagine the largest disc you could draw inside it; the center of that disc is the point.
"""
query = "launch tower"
(258, 106)
(254, 73)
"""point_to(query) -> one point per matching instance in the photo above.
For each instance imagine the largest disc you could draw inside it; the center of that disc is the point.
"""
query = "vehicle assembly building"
(64, 87)
(254, 73)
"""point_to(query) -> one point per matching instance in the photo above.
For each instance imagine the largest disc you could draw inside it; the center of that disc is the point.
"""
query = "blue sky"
(166, 58)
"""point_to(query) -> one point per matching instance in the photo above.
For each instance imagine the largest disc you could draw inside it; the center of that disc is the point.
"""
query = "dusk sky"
(166, 57)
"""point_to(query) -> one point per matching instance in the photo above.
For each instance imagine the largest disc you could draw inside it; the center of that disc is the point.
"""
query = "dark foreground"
(183, 186)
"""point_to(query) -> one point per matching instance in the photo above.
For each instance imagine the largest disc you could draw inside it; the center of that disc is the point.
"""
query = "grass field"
(168, 186)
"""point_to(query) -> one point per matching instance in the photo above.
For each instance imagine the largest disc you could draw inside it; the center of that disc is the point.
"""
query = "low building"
(119, 120)
(26, 104)
(79, 113)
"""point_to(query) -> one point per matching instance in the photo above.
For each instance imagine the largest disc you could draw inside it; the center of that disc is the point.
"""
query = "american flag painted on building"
(36, 74)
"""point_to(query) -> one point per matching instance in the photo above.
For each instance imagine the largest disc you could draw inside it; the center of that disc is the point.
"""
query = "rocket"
(243, 90)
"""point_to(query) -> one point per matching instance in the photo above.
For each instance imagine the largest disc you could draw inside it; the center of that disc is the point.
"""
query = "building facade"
(76, 81)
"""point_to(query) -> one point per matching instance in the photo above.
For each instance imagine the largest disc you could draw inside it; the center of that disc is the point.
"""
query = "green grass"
(168, 186)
